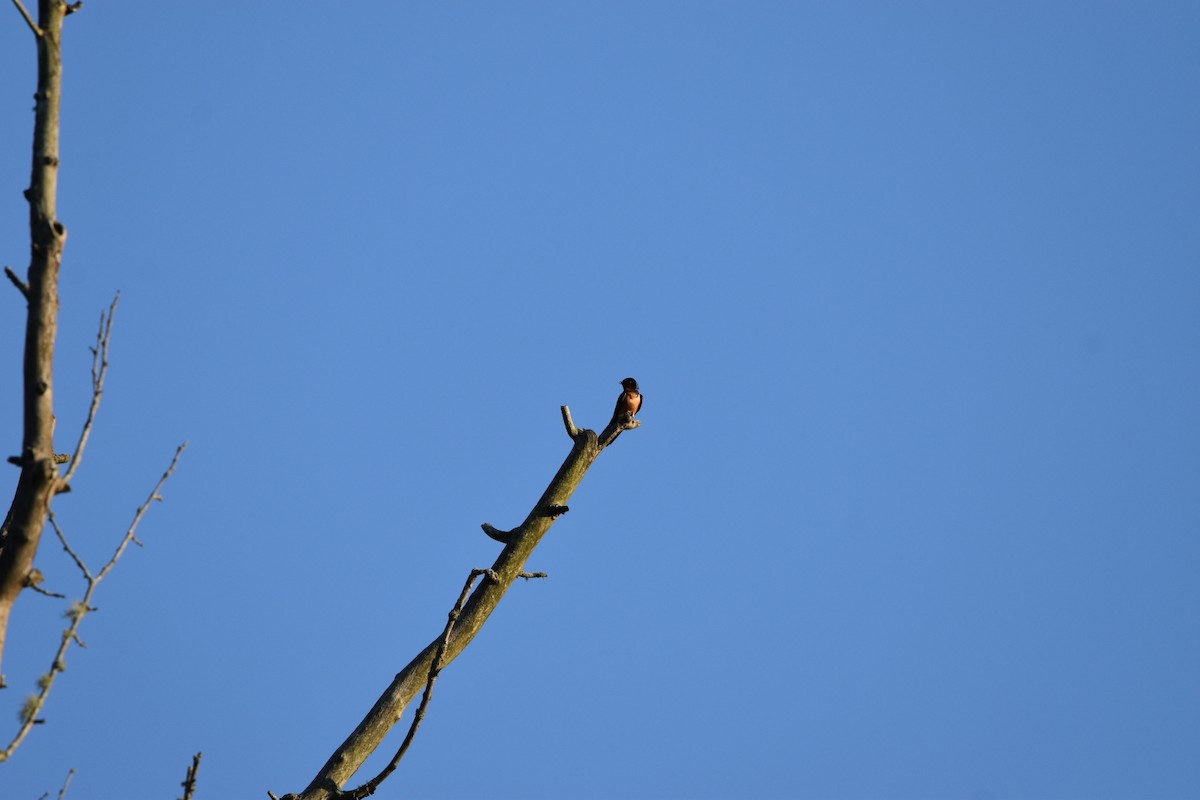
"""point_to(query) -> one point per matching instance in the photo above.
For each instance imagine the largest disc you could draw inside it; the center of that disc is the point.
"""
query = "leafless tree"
(41, 477)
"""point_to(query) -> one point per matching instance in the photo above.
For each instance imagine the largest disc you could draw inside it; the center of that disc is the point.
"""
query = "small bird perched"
(630, 401)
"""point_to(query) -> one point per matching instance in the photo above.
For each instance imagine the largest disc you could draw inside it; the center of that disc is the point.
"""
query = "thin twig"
(189, 783)
(87, 573)
(63, 791)
(34, 582)
(141, 512)
(79, 610)
(28, 19)
(99, 371)
(435, 668)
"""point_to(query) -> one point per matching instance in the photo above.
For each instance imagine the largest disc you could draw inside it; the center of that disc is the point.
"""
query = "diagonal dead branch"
(519, 546)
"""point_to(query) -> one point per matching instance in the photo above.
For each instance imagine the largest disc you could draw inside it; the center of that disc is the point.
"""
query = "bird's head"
(629, 385)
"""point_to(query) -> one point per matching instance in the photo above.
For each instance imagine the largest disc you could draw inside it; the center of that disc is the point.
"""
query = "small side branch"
(435, 669)
(34, 582)
(87, 573)
(572, 431)
(552, 512)
(99, 372)
(28, 19)
(131, 533)
(21, 285)
(189, 783)
(497, 534)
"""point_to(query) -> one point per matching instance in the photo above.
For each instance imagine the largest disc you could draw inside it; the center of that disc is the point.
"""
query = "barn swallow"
(630, 401)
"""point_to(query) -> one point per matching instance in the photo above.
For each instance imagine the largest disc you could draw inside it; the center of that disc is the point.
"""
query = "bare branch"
(63, 791)
(79, 610)
(497, 534)
(28, 19)
(141, 512)
(99, 372)
(34, 582)
(619, 423)
(435, 669)
(519, 543)
(572, 431)
(87, 574)
(29, 714)
(21, 285)
(553, 511)
(189, 783)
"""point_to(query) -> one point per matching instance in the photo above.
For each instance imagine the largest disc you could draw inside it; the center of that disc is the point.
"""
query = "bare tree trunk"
(39, 471)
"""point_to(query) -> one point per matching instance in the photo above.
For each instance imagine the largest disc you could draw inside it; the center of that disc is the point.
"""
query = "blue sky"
(911, 290)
